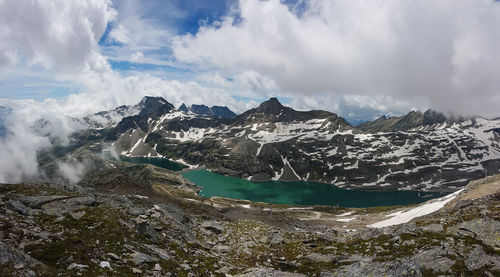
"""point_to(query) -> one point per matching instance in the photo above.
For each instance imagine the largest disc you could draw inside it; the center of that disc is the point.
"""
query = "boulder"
(212, 226)
(484, 229)
(17, 206)
(267, 272)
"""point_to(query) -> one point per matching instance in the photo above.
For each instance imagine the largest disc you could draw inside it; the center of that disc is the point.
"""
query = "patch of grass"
(84, 241)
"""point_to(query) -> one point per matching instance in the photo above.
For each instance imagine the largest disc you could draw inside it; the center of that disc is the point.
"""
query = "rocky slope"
(272, 142)
(132, 220)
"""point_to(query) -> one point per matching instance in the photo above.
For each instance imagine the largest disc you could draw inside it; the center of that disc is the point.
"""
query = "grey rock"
(320, 258)
(84, 201)
(396, 268)
(436, 228)
(149, 231)
(222, 248)
(139, 258)
(212, 226)
(17, 206)
(485, 229)
(462, 204)
(276, 238)
(408, 242)
(175, 213)
(435, 259)
(162, 253)
(14, 256)
(77, 215)
(477, 258)
(267, 272)
(77, 266)
(113, 256)
(36, 202)
(135, 211)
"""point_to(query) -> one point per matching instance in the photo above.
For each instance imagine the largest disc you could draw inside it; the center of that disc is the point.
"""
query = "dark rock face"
(215, 111)
(154, 107)
(273, 111)
(222, 112)
(271, 106)
(151, 108)
(201, 109)
(183, 108)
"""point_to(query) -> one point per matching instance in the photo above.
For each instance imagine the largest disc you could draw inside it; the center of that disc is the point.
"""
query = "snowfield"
(427, 208)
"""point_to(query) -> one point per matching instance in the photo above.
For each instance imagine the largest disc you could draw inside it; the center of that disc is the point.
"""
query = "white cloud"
(57, 34)
(342, 56)
(442, 53)
(137, 57)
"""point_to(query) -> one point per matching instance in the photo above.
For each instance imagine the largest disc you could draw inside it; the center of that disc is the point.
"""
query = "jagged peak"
(183, 108)
(153, 99)
(272, 106)
(154, 106)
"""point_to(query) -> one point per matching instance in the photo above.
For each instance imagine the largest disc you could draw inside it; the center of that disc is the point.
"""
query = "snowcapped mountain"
(215, 111)
(274, 142)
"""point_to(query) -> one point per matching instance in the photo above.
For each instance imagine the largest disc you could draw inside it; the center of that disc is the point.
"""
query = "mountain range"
(418, 151)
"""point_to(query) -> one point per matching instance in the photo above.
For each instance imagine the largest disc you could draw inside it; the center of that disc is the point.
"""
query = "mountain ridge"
(275, 142)
(218, 112)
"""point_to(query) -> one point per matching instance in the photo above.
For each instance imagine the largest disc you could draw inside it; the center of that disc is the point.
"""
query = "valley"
(158, 191)
(419, 151)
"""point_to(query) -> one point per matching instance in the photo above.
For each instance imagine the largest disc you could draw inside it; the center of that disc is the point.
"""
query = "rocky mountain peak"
(154, 106)
(271, 106)
(183, 108)
(222, 112)
(201, 109)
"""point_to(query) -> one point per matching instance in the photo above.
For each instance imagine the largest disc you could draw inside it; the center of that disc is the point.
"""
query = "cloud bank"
(440, 54)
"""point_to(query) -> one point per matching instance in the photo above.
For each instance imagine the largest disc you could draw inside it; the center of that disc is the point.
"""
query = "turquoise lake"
(291, 193)
(300, 193)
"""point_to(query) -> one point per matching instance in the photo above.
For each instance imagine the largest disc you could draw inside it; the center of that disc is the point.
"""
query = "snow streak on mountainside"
(274, 142)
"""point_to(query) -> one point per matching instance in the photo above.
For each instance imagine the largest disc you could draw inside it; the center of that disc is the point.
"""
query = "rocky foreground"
(118, 226)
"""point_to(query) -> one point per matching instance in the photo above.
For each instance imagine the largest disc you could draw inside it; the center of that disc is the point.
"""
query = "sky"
(360, 59)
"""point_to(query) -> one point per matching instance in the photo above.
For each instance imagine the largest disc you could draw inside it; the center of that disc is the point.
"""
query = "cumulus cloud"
(439, 54)
(52, 33)
(62, 37)
(30, 126)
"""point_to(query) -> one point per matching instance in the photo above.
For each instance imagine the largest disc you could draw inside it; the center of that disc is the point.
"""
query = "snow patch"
(404, 217)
